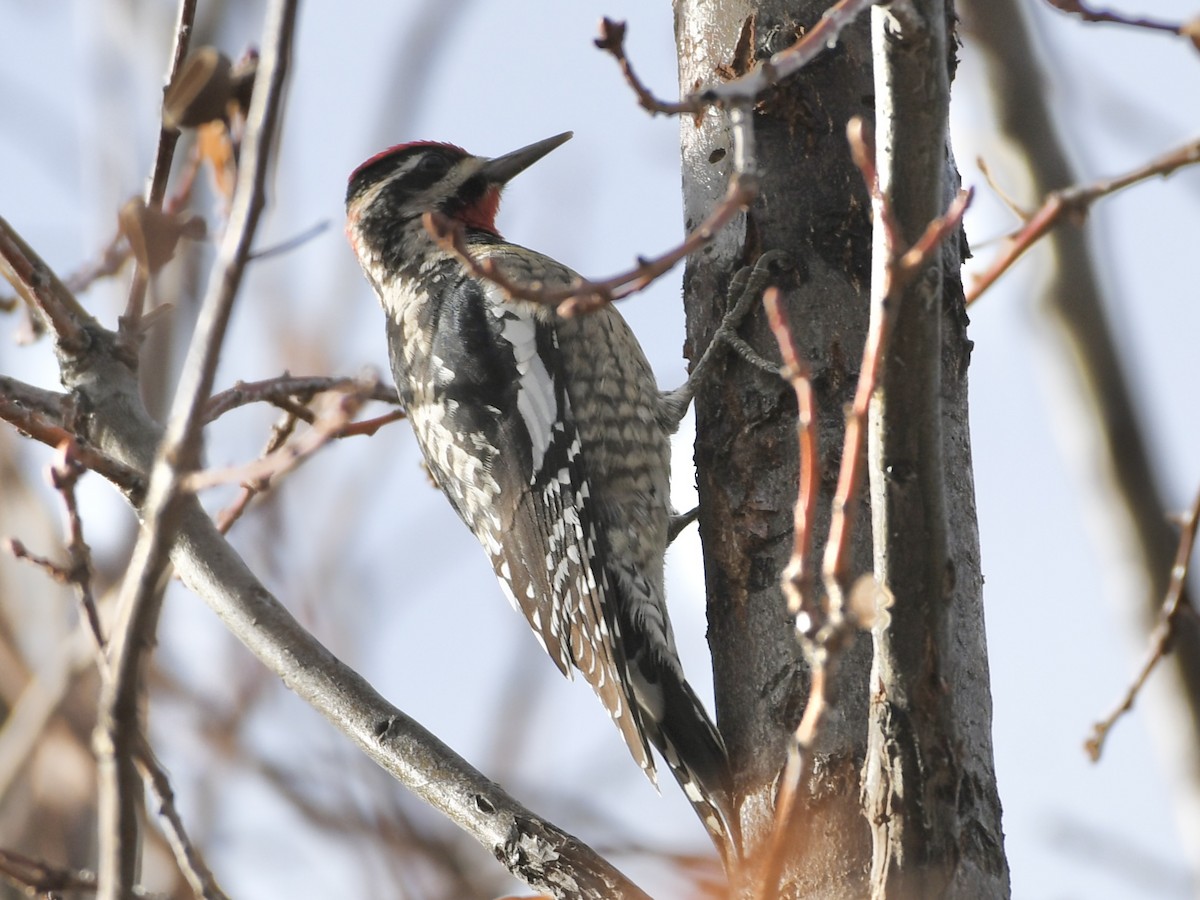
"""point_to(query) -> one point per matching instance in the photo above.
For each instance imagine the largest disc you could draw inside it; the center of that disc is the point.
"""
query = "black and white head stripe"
(417, 165)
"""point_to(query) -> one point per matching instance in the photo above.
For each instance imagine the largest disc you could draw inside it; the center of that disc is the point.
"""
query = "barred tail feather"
(677, 724)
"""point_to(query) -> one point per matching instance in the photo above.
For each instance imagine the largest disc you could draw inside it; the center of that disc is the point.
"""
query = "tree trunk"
(814, 207)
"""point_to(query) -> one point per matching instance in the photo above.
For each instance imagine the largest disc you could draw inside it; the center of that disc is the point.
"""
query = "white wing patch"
(536, 401)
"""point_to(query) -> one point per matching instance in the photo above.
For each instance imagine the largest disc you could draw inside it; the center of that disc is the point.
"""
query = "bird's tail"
(676, 723)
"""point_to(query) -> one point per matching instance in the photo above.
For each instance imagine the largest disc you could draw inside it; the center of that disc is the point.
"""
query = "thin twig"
(110, 261)
(43, 422)
(737, 98)
(826, 633)
(34, 876)
(42, 290)
(585, 295)
(191, 863)
(1160, 641)
(156, 190)
(228, 517)
(137, 608)
(836, 564)
(368, 427)
(821, 36)
(1074, 203)
(282, 459)
(798, 575)
(279, 392)
(287, 386)
(901, 268)
(64, 473)
(1087, 14)
(291, 243)
(798, 582)
(612, 41)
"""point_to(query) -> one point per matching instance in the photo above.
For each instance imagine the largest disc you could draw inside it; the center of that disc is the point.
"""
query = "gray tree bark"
(814, 207)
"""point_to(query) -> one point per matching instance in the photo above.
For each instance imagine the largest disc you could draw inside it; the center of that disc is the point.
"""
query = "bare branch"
(612, 41)
(42, 290)
(287, 457)
(825, 633)
(272, 390)
(1075, 7)
(584, 295)
(187, 856)
(798, 581)
(138, 602)
(745, 89)
(38, 877)
(1173, 609)
(40, 414)
(368, 427)
(798, 577)
(156, 190)
(64, 472)
(902, 265)
(835, 567)
(1074, 203)
(280, 433)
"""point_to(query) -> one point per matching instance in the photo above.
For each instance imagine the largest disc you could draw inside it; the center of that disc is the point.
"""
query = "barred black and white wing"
(513, 468)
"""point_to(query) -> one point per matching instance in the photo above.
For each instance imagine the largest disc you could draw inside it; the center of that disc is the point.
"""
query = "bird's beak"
(503, 168)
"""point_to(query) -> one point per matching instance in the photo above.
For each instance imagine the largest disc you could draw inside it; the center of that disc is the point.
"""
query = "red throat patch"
(482, 215)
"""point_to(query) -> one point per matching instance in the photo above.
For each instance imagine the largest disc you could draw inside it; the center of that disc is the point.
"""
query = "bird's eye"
(432, 164)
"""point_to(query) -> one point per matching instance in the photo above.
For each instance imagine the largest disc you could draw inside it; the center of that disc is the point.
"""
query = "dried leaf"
(1191, 30)
(201, 92)
(869, 600)
(154, 235)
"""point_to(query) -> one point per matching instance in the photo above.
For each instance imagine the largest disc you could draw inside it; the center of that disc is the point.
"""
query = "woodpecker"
(550, 438)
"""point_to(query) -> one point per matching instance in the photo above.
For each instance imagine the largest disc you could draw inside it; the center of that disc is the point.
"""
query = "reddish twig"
(368, 427)
(283, 458)
(33, 876)
(612, 41)
(836, 564)
(584, 295)
(283, 392)
(156, 190)
(1190, 29)
(798, 575)
(110, 261)
(1074, 202)
(64, 473)
(821, 36)
(901, 267)
(286, 387)
(251, 489)
(53, 569)
(798, 581)
(42, 422)
(189, 859)
(42, 290)
(1160, 643)
(825, 633)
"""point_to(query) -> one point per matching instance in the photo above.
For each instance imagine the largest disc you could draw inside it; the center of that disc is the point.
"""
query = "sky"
(415, 603)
